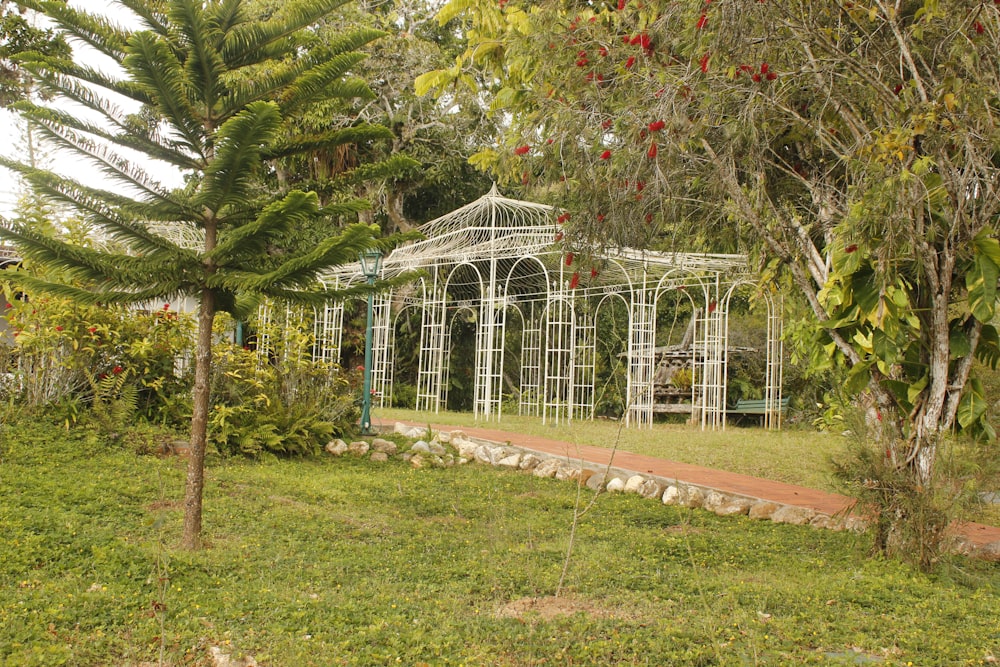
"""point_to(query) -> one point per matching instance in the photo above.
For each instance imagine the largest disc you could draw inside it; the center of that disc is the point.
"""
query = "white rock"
(546, 468)
(401, 428)
(512, 461)
(615, 484)
(651, 489)
(417, 461)
(420, 447)
(763, 509)
(529, 462)
(796, 516)
(437, 448)
(385, 446)
(379, 457)
(443, 436)
(466, 449)
(596, 481)
(358, 448)
(633, 483)
(567, 472)
(336, 447)
(671, 495)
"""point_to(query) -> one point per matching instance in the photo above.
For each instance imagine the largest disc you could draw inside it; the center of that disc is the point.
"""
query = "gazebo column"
(584, 371)
(382, 350)
(531, 361)
(432, 349)
(641, 357)
(557, 397)
(490, 336)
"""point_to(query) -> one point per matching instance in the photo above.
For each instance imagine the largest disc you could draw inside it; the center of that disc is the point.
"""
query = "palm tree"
(213, 89)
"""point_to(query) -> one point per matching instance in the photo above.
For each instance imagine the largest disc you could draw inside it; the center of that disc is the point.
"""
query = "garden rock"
(822, 521)
(358, 448)
(567, 472)
(732, 506)
(386, 447)
(596, 481)
(437, 448)
(420, 447)
(615, 484)
(763, 509)
(990, 552)
(489, 454)
(671, 495)
(401, 429)
(417, 461)
(796, 516)
(512, 461)
(633, 483)
(529, 462)
(466, 449)
(379, 457)
(693, 497)
(651, 489)
(443, 436)
(336, 447)
(546, 468)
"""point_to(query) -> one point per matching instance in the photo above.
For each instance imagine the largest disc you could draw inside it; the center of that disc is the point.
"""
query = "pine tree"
(213, 88)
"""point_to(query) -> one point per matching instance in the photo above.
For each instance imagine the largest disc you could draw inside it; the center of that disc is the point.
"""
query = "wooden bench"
(755, 407)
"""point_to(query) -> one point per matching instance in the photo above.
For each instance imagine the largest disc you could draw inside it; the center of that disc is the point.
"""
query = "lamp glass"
(371, 261)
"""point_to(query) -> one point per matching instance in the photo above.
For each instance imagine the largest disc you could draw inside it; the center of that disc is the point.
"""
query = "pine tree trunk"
(199, 423)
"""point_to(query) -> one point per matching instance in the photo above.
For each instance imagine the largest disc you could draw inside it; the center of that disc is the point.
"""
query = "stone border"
(448, 448)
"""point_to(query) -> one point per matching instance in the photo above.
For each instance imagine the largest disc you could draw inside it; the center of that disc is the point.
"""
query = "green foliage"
(278, 400)
(305, 569)
(65, 353)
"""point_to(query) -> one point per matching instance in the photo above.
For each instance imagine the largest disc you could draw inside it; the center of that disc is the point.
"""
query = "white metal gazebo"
(499, 260)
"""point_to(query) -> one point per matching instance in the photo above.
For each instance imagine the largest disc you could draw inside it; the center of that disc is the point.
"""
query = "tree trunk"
(199, 423)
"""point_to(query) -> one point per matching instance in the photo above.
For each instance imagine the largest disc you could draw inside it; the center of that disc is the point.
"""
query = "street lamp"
(371, 261)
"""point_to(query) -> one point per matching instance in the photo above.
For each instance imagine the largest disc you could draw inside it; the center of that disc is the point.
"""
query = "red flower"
(656, 126)
(569, 258)
(606, 124)
(600, 217)
(521, 150)
(581, 54)
(593, 272)
(851, 248)
(606, 155)
(603, 51)
(562, 218)
(166, 306)
(702, 20)
(979, 28)
(59, 328)
(91, 329)
(635, 40)
(651, 153)
(711, 307)
(756, 77)
(639, 185)
(582, 62)
(621, 5)
(559, 236)
(764, 67)
(771, 76)
(117, 370)
(574, 281)
(649, 218)
(645, 42)
(703, 63)
(630, 62)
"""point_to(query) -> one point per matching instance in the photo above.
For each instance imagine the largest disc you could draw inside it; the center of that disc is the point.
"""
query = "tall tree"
(853, 146)
(213, 90)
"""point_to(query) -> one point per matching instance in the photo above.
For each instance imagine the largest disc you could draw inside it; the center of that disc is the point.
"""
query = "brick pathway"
(745, 485)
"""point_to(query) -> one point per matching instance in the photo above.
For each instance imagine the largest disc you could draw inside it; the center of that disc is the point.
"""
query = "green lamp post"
(371, 262)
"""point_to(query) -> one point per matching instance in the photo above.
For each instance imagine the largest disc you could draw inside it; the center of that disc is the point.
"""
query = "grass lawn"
(796, 456)
(349, 562)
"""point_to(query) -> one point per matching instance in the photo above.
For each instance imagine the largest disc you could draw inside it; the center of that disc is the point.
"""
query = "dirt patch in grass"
(550, 607)
(163, 505)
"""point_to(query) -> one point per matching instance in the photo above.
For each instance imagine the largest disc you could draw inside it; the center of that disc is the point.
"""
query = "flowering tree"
(853, 146)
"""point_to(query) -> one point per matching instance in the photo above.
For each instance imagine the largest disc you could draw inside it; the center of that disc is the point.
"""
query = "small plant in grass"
(910, 517)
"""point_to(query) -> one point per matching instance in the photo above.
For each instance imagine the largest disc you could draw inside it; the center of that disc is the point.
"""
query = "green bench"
(755, 407)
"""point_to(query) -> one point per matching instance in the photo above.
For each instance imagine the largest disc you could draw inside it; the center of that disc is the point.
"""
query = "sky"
(12, 132)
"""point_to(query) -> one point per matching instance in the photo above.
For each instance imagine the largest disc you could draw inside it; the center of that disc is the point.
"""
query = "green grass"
(795, 456)
(346, 562)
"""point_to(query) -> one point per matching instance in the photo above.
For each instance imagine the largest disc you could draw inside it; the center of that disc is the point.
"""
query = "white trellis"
(499, 261)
